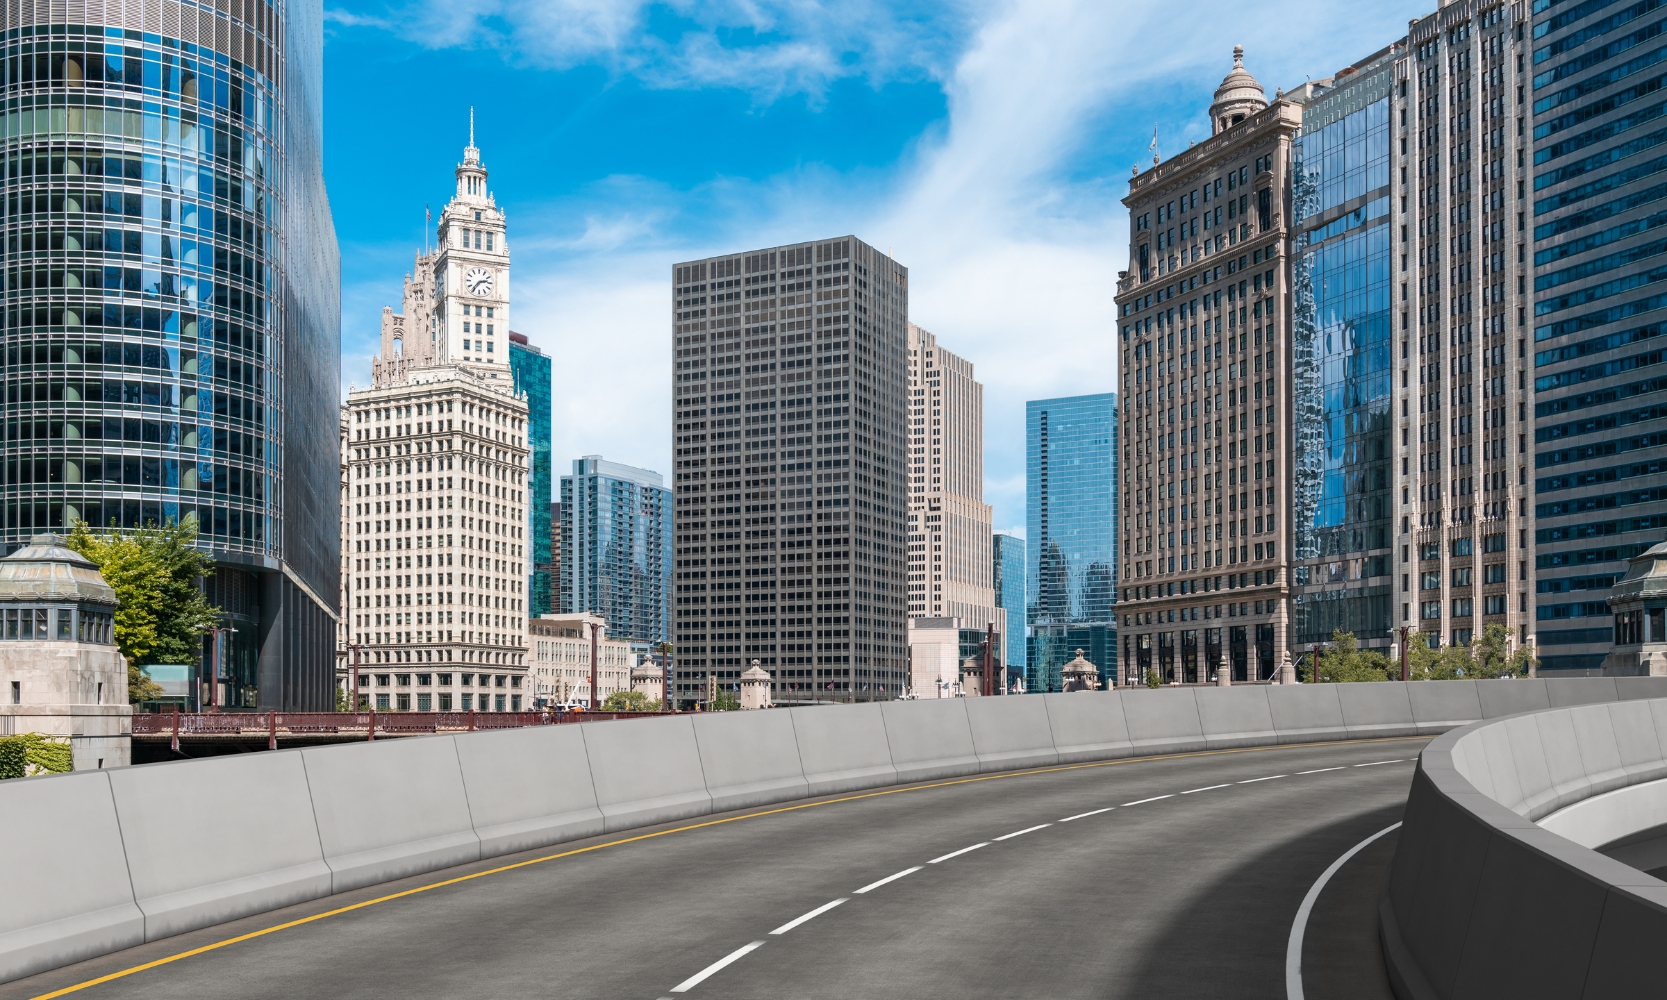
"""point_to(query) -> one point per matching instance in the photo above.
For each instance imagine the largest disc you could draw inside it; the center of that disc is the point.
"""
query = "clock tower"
(470, 319)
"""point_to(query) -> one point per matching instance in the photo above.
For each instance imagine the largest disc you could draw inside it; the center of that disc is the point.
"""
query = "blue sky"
(986, 144)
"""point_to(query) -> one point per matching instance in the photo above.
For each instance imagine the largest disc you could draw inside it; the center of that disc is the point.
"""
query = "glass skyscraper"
(172, 308)
(1007, 555)
(1599, 191)
(530, 368)
(1342, 356)
(1071, 524)
(616, 548)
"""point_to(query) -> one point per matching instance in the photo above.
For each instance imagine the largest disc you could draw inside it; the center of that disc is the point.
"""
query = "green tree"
(1490, 656)
(726, 701)
(629, 701)
(1152, 679)
(1345, 662)
(1426, 662)
(156, 573)
(29, 754)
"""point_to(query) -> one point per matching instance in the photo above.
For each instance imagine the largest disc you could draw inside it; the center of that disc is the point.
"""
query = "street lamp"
(214, 666)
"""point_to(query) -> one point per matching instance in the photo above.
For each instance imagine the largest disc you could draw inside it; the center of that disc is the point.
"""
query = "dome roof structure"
(46, 570)
(1238, 97)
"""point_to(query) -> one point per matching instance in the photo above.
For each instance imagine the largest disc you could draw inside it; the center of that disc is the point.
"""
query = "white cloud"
(766, 47)
(1008, 214)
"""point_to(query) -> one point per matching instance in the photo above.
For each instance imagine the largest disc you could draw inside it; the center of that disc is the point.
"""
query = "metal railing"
(369, 725)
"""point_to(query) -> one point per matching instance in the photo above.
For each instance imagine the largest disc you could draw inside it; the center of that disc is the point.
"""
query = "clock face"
(478, 280)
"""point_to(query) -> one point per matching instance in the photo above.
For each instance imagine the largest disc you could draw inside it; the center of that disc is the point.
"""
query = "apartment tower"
(790, 389)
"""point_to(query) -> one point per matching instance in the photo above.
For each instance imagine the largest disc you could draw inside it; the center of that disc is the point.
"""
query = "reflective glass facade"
(171, 314)
(1007, 553)
(1071, 524)
(1342, 357)
(1599, 191)
(530, 368)
(616, 548)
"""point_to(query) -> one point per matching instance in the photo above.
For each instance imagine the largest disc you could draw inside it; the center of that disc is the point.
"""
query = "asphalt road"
(1174, 877)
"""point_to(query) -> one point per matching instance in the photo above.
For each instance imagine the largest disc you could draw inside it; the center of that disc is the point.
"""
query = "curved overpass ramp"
(1111, 844)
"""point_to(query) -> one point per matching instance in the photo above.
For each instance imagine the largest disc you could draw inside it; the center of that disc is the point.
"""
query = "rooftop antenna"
(471, 124)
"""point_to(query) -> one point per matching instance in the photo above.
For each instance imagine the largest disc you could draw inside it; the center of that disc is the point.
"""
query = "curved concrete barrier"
(109, 866)
(1492, 893)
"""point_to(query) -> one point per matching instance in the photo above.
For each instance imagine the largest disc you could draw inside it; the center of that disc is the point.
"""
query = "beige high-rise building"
(950, 525)
(435, 457)
(1205, 348)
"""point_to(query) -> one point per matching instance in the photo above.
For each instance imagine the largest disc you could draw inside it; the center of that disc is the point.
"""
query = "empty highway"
(1170, 877)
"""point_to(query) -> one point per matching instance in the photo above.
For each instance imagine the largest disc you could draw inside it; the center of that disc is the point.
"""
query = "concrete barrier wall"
(120, 857)
(1484, 901)
(172, 831)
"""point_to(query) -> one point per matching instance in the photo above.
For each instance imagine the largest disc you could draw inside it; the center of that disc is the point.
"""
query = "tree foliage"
(156, 573)
(1485, 656)
(1152, 679)
(1345, 662)
(726, 701)
(30, 754)
(629, 701)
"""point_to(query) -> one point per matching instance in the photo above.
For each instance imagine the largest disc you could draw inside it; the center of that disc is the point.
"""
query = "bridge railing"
(367, 724)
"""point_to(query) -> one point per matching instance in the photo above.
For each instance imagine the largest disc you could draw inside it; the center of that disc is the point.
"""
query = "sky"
(986, 145)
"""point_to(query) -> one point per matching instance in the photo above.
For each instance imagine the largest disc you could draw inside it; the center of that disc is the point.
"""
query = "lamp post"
(214, 666)
(355, 648)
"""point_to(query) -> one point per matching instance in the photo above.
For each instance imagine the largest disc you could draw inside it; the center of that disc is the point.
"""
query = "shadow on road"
(1236, 929)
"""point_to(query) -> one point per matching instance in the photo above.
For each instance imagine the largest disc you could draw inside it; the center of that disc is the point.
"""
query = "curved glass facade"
(171, 310)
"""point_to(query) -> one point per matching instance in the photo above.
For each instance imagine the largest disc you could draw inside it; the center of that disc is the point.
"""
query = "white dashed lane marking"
(1206, 788)
(1252, 781)
(1319, 770)
(1086, 814)
(956, 854)
(702, 975)
(889, 878)
(825, 907)
(1141, 802)
(1028, 829)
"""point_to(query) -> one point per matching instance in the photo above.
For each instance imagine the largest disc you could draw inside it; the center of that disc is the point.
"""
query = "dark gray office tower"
(790, 373)
(172, 307)
(1599, 186)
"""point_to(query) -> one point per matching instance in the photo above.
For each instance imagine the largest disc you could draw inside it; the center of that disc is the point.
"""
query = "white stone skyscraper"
(790, 374)
(435, 456)
(950, 567)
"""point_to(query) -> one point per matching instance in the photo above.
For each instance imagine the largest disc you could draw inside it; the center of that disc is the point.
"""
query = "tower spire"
(471, 155)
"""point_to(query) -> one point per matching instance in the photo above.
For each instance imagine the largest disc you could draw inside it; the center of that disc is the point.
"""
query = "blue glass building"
(1071, 524)
(172, 310)
(1007, 554)
(1599, 192)
(530, 368)
(616, 555)
(1342, 357)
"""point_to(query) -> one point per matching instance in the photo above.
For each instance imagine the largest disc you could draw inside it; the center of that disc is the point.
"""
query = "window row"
(56, 623)
(159, 432)
(24, 517)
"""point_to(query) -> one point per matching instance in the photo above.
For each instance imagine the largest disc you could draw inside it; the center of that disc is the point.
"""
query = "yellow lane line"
(681, 829)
